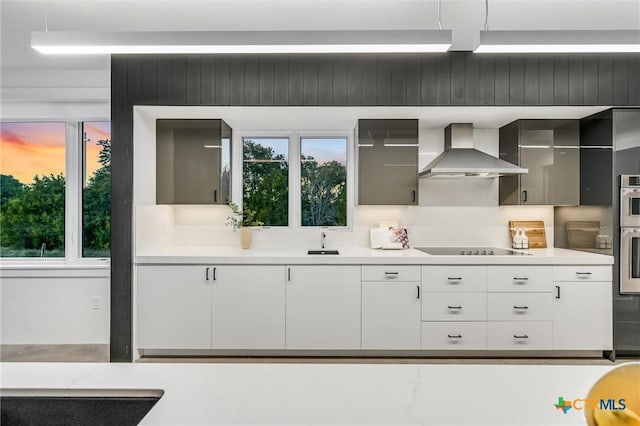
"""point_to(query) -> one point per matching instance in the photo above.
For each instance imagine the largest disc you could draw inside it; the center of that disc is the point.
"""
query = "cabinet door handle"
(557, 292)
(288, 274)
(207, 274)
(454, 307)
(454, 336)
(521, 307)
(214, 274)
(523, 336)
(524, 196)
(520, 278)
(215, 195)
(413, 200)
(454, 278)
(418, 287)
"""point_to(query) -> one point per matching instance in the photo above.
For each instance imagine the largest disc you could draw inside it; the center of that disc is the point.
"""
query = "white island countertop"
(359, 255)
(327, 394)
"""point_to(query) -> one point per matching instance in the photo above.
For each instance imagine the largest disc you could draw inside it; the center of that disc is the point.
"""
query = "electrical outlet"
(96, 303)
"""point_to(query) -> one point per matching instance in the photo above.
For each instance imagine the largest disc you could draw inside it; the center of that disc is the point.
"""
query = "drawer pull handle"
(520, 279)
(394, 274)
(454, 336)
(583, 273)
(520, 307)
(454, 307)
(454, 278)
(524, 336)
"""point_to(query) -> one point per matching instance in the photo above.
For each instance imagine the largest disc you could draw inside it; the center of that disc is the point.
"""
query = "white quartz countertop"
(329, 394)
(358, 255)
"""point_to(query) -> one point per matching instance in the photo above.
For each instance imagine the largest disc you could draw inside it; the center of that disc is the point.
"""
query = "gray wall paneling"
(445, 79)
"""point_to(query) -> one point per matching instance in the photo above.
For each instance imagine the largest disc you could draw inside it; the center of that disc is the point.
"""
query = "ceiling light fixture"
(560, 41)
(176, 42)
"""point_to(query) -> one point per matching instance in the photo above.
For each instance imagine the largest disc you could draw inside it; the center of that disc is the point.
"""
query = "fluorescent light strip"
(579, 41)
(535, 146)
(400, 144)
(212, 146)
(243, 42)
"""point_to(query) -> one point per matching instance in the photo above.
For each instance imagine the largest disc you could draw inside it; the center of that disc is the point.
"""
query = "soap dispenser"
(524, 239)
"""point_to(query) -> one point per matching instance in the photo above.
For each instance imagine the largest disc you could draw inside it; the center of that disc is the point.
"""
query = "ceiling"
(25, 73)
(464, 17)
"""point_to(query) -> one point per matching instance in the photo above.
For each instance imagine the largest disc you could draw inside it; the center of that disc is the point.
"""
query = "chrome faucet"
(42, 249)
(323, 236)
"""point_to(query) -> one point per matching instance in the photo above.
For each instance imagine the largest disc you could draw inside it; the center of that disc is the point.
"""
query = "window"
(32, 189)
(323, 181)
(49, 172)
(96, 189)
(265, 177)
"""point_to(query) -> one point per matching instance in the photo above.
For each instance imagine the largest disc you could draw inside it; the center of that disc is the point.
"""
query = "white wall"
(58, 305)
(451, 212)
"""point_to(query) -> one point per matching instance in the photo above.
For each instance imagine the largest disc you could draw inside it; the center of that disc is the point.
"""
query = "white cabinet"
(520, 278)
(248, 307)
(210, 307)
(582, 316)
(174, 307)
(323, 307)
(519, 335)
(454, 335)
(390, 315)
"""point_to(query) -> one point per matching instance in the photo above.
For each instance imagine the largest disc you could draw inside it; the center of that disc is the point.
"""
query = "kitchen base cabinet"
(248, 307)
(521, 335)
(323, 307)
(582, 316)
(390, 315)
(174, 307)
(454, 335)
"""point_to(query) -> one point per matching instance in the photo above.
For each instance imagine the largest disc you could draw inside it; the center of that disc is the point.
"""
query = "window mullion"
(73, 188)
(295, 216)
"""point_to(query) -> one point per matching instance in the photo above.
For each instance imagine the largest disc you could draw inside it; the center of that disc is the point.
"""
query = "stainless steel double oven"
(630, 234)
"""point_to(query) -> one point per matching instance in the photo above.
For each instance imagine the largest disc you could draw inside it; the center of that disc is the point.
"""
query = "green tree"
(35, 216)
(324, 195)
(265, 184)
(9, 188)
(96, 199)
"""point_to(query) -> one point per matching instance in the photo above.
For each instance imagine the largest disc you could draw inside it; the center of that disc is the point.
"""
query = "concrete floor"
(100, 353)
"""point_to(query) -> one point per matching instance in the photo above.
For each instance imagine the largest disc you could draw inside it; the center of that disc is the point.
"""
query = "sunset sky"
(29, 149)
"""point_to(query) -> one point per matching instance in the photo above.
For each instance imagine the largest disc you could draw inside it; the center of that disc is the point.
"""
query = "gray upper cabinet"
(388, 162)
(193, 161)
(550, 149)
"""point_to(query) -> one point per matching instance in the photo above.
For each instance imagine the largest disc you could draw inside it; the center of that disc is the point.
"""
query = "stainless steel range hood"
(461, 160)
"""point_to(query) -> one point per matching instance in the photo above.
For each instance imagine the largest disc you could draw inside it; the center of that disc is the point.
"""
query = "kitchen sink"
(323, 251)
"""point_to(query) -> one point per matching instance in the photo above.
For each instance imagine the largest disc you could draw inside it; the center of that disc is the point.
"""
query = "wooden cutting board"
(534, 230)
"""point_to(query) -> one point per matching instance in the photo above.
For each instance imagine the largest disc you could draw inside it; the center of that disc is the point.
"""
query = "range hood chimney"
(461, 160)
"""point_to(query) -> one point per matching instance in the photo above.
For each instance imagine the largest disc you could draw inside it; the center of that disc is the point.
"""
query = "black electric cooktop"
(470, 251)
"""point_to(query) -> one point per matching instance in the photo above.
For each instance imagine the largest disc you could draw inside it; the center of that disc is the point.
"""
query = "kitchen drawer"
(454, 335)
(519, 307)
(582, 273)
(390, 272)
(520, 278)
(535, 335)
(454, 306)
(454, 278)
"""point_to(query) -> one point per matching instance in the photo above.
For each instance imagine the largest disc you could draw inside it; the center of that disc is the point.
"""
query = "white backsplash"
(160, 227)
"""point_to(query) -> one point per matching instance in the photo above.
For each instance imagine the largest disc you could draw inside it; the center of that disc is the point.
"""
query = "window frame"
(73, 172)
(295, 191)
